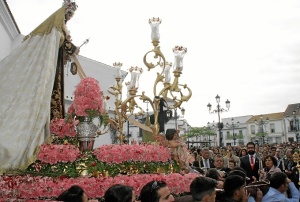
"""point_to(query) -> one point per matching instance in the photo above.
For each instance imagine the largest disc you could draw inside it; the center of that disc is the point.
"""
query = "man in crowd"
(279, 184)
(156, 191)
(291, 170)
(205, 160)
(234, 189)
(203, 189)
(219, 165)
(273, 151)
(250, 163)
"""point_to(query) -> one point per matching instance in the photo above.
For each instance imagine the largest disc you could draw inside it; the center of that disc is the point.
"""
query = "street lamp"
(261, 123)
(212, 127)
(178, 116)
(233, 126)
(188, 130)
(219, 110)
(294, 123)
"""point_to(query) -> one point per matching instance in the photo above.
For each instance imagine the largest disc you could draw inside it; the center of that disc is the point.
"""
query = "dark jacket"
(211, 163)
(245, 164)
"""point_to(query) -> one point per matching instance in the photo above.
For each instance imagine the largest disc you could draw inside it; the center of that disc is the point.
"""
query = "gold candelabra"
(172, 92)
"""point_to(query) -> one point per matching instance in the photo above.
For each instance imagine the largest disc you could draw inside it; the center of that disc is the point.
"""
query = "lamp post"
(219, 110)
(295, 125)
(233, 126)
(212, 127)
(178, 116)
(261, 123)
(188, 130)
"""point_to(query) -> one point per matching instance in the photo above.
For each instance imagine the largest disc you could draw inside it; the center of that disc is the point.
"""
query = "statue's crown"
(70, 5)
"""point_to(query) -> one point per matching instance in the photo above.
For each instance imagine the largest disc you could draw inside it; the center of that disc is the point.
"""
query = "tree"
(200, 131)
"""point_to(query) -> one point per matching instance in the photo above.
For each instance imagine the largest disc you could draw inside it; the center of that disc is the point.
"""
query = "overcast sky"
(245, 51)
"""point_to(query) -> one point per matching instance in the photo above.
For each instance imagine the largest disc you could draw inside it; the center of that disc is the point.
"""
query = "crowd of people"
(232, 174)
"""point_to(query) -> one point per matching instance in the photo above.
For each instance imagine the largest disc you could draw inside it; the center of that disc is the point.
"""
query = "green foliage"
(104, 118)
(88, 162)
(65, 140)
(260, 134)
(200, 131)
(92, 114)
(237, 136)
(39, 168)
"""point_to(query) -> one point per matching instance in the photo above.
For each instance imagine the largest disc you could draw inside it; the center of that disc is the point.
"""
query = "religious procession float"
(46, 153)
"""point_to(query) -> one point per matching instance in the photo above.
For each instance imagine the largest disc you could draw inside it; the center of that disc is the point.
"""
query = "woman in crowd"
(243, 152)
(216, 152)
(119, 193)
(270, 166)
(231, 164)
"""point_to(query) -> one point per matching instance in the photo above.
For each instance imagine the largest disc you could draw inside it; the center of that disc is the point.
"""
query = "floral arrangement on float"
(88, 99)
(78, 127)
(88, 104)
(67, 160)
(26, 188)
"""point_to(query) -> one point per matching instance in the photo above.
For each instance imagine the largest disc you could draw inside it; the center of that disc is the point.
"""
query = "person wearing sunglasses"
(156, 191)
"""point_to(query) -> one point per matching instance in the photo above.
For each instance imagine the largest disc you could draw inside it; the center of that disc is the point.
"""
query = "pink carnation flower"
(87, 96)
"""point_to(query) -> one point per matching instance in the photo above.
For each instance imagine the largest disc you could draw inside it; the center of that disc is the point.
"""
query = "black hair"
(243, 149)
(170, 132)
(202, 186)
(233, 183)
(213, 173)
(250, 143)
(238, 168)
(118, 193)
(149, 191)
(277, 179)
(73, 194)
(238, 172)
(274, 160)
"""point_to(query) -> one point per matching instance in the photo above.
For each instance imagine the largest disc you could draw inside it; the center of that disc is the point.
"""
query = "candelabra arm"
(185, 98)
(155, 106)
(177, 101)
(159, 78)
(113, 90)
(117, 123)
(127, 106)
(117, 89)
(174, 86)
(165, 90)
(157, 55)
